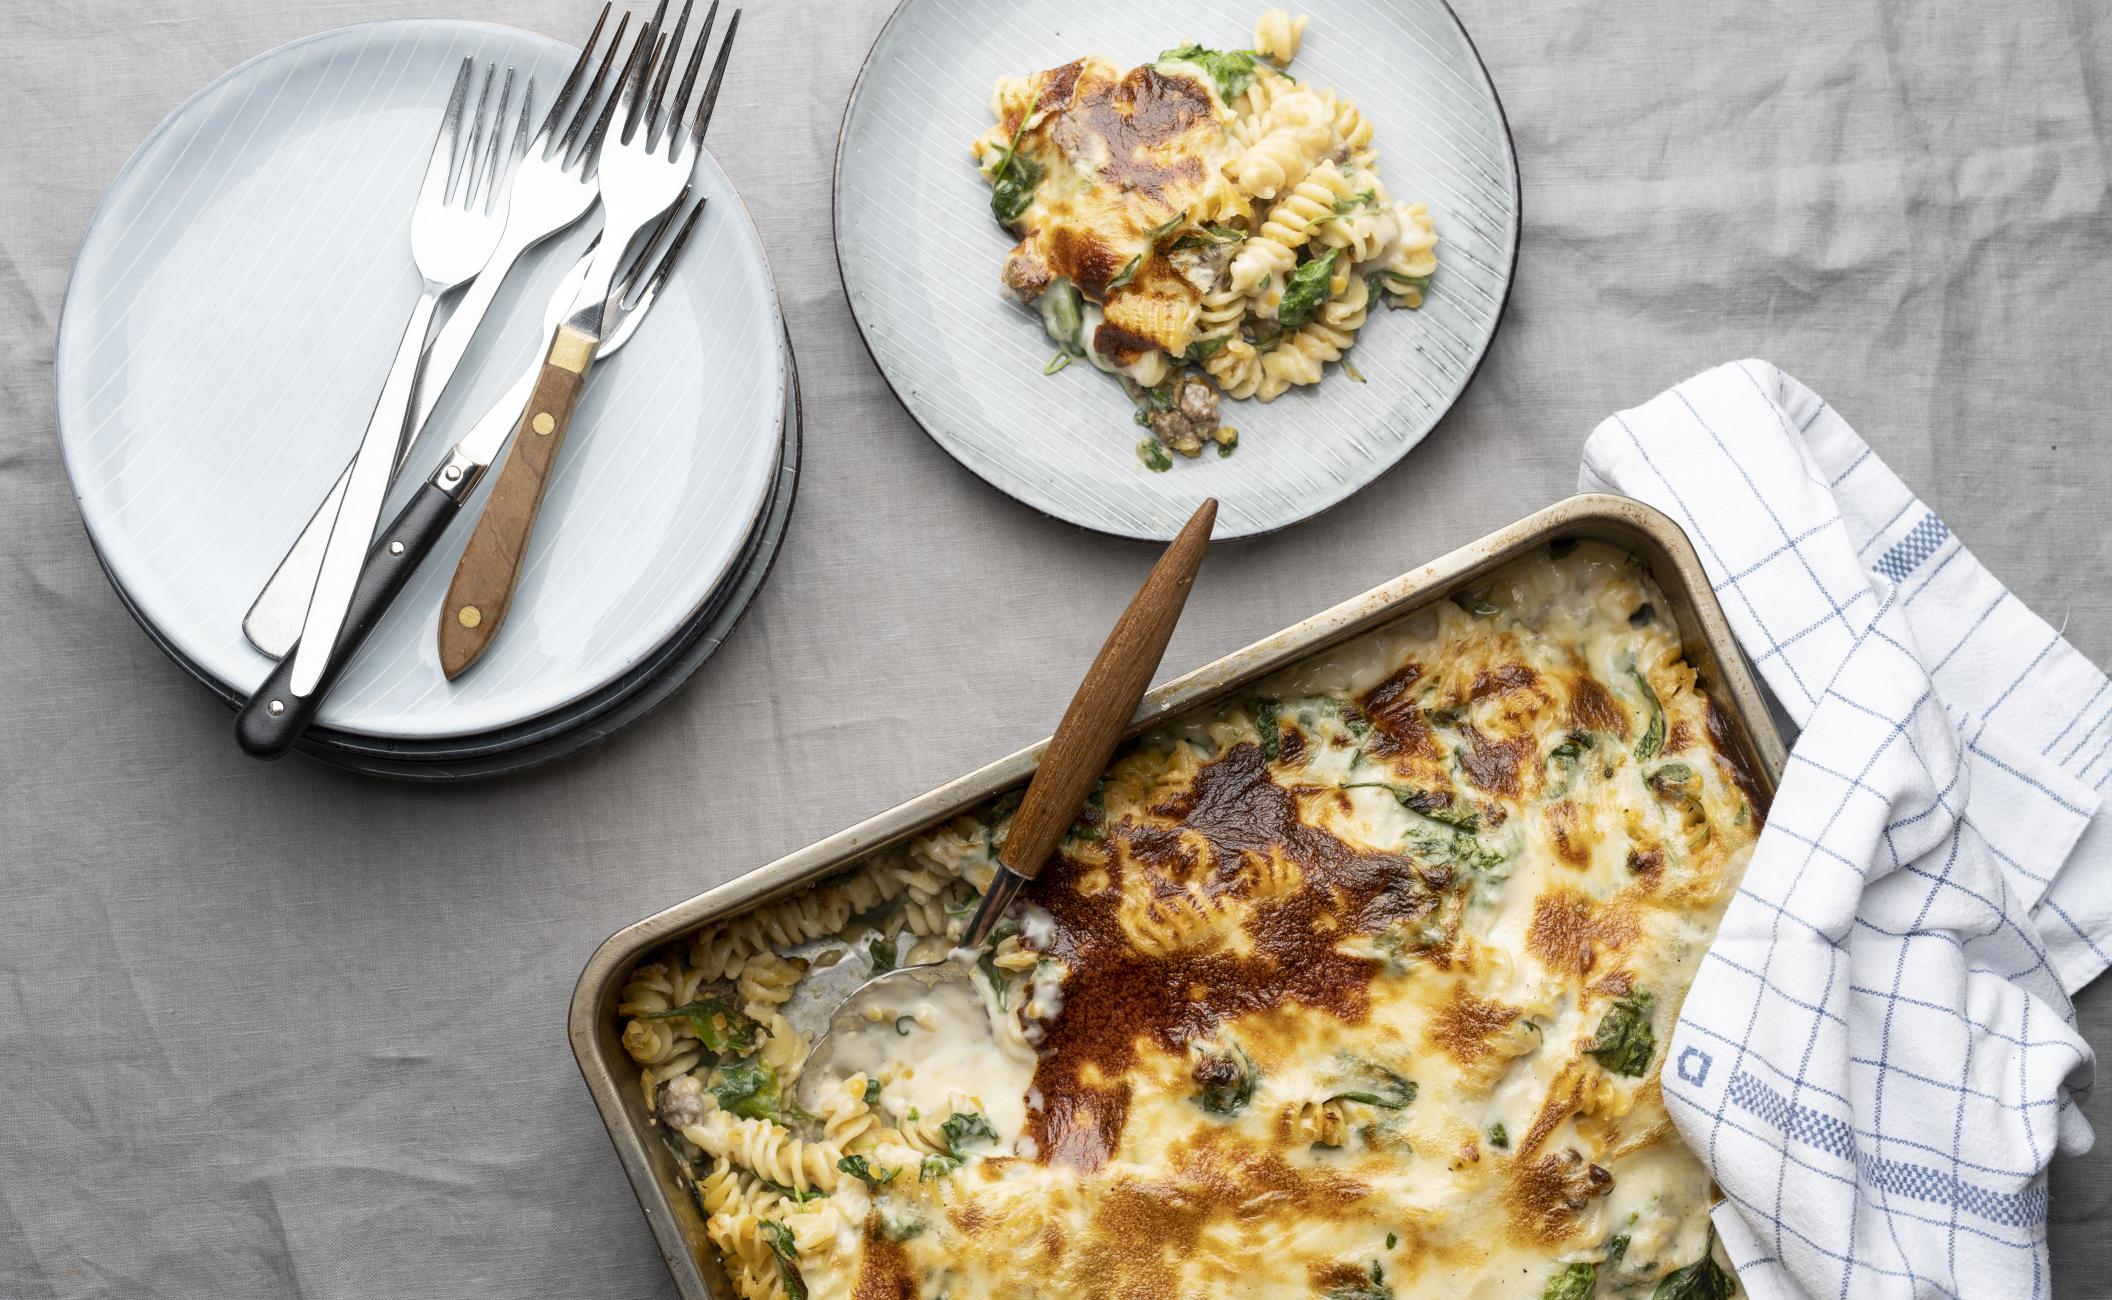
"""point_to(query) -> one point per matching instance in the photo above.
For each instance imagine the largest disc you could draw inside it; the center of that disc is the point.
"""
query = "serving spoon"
(1074, 760)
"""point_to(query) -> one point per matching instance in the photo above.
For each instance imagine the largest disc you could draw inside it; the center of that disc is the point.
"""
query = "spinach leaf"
(936, 1167)
(1350, 716)
(883, 955)
(1127, 273)
(787, 1251)
(718, 1023)
(861, 1169)
(1013, 180)
(1700, 1280)
(793, 1194)
(1375, 1085)
(1165, 228)
(1624, 1042)
(1500, 1137)
(1153, 453)
(961, 1129)
(1232, 70)
(872, 1092)
(1437, 807)
(747, 1088)
(1012, 196)
(1574, 1282)
(1567, 759)
(1616, 1248)
(1225, 1080)
(1211, 234)
(1356, 202)
(1000, 980)
(1670, 781)
(1306, 290)
(1205, 348)
(1653, 741)
(1267, 716)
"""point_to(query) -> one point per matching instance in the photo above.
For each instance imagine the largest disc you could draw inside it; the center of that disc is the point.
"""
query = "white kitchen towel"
(1879, 1057)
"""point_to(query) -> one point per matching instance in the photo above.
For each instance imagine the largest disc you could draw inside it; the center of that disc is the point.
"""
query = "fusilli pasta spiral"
(1277, 35)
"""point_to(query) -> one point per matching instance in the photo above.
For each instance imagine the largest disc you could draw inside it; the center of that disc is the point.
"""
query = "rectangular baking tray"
(1629, 525)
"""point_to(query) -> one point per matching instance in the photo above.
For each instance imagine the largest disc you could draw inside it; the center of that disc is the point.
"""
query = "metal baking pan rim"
(1707, 641)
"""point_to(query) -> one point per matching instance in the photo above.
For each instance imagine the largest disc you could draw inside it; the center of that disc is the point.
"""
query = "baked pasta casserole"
(1204, 210)
(1355, 988)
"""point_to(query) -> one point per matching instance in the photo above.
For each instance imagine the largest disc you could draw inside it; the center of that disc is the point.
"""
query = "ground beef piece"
(1192, 419)
(681, 1103)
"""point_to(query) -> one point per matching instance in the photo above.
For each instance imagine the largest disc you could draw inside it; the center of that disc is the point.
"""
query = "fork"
(645, 165)
(455, 225)
(553, 186)
(274, 717)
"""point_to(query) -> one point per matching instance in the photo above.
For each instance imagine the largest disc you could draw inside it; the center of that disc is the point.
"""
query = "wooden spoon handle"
(1106, 699)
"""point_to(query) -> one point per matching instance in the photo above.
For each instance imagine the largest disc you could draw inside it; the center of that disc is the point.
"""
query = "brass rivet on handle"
(542, 423)
(469, 616)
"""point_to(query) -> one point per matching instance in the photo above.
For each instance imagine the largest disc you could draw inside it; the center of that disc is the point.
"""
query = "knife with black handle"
(275, 717)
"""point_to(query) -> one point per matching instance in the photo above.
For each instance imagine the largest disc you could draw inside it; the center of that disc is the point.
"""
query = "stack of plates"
(229, 322)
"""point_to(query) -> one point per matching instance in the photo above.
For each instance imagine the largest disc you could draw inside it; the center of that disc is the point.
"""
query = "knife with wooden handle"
(482, 591)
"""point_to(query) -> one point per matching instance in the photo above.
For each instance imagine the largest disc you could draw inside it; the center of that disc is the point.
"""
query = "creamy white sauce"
(925, 1044)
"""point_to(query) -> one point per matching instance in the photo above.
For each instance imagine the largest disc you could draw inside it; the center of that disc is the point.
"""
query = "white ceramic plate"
(231, 317)
(920, 257)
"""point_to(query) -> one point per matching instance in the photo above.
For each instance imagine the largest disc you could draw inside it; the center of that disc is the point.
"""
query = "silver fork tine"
(464, 188)
(634, 86)
(621, 100)
(718, 75)
(621, 292)
(668, 258)
(438, 171)
(521, 134)
(497, 143)
(674, 45)
(644, 112)
(548, 132)
(677, 115)
(585, 155)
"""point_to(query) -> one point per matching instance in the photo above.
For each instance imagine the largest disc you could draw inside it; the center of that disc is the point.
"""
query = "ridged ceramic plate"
(230, 319)
(920, 258)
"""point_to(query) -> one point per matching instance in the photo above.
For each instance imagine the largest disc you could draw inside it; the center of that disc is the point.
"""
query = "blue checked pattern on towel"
(1878, 1056)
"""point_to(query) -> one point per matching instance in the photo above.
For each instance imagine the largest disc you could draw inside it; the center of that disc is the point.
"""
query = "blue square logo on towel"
(1693, 1066)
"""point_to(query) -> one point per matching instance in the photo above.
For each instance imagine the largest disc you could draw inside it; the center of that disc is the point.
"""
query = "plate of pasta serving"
(1112, 256)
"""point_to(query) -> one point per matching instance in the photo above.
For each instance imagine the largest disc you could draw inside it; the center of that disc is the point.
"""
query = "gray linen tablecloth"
(272, 1030)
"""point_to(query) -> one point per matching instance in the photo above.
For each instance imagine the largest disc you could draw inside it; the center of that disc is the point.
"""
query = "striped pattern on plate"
(920, 257)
